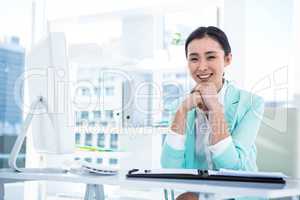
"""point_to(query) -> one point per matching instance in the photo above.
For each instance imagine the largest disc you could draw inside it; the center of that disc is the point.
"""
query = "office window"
(171, 93)
(85, 92)
(114, 141)
(92, 123)
(101, 140)
(99, 160)
(77, 116)
(97, 91)
(181, 75)
(97, 115)
(11, 115)
(79, 123)
(113, 161)
(109, 91)
(84, 115)
(77, 138)
(167, 75)
(109, 78)
(179, 24)
(103, 123)
(109, 114)
(88, 139)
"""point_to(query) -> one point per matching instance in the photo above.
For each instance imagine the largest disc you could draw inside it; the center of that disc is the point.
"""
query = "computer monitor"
(48, 107)
(47, 62)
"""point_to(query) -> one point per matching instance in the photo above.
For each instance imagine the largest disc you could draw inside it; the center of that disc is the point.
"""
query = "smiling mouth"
(204, 77)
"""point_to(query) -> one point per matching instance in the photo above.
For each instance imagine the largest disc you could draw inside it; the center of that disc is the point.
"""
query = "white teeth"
(204, 76)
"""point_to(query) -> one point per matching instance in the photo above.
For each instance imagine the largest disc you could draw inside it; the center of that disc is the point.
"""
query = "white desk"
(212, 189)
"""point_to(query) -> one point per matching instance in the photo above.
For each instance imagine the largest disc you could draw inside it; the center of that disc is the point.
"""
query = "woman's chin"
(208, 80)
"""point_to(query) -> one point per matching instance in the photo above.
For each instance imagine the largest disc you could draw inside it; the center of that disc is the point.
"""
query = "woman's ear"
(228, 59)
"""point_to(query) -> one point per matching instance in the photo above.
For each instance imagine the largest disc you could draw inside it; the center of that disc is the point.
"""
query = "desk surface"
(228, 189)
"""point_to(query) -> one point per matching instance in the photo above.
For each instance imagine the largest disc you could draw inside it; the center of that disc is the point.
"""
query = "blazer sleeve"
(240, 154)
(170, 157)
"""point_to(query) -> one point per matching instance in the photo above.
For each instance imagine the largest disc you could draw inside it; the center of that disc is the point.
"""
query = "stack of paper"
(228, 172)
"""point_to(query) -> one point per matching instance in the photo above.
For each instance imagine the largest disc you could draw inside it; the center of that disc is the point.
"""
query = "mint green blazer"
(243, 112)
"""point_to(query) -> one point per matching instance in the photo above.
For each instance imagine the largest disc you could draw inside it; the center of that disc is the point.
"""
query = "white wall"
(137, 36)
(296, 46)
(260, 34)
(268, 48)
(234, 25)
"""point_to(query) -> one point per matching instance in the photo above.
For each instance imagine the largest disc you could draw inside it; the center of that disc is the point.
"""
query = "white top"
(177, 141)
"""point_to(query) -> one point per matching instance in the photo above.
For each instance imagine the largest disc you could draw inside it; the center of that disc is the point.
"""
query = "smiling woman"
(215, 126)
(208, 56)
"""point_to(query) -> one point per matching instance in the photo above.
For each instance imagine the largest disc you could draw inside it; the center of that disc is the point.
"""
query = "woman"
(215, 126)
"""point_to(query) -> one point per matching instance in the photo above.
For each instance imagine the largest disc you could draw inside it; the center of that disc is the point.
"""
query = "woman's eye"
(211, 57)
(193, 59)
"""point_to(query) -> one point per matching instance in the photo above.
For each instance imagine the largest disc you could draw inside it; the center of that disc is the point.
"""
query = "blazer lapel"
(231, 101)
(190, 139)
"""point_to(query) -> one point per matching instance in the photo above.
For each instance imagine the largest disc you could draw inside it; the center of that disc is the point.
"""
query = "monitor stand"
(12, 162)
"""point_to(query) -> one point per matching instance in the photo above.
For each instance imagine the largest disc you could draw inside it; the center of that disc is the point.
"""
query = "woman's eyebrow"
(206, 53)
(211, 52)
(193, 54)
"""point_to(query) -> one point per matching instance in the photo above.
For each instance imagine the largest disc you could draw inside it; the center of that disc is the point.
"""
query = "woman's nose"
(202, 66)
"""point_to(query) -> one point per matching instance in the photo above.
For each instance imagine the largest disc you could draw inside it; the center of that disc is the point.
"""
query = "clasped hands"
(204, 96)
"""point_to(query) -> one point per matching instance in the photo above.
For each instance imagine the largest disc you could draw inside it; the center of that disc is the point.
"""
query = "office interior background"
(125, 64)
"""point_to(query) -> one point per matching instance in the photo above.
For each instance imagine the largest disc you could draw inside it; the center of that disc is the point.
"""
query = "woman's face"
(206, 61)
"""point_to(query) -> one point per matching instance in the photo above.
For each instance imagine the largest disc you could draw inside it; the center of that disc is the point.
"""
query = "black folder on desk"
(206, 175)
